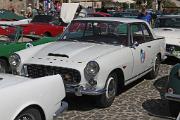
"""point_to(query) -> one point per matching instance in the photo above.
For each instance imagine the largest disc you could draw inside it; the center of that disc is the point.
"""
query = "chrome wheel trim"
(110, 88)
(156, 65)
(26, 117)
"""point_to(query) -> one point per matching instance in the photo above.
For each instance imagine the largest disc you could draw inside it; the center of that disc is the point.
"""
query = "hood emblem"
(58, 55)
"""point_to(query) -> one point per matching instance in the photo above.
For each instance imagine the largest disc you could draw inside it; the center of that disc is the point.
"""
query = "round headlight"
(14, 60)
(92, 68)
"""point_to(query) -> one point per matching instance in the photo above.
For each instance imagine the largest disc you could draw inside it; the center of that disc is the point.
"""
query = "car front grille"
(69, 76)
(171, 48)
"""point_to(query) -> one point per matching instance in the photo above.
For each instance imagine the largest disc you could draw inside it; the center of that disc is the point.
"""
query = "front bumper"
(172, 55)
(172, 97)
(80, 90)
(63, 107)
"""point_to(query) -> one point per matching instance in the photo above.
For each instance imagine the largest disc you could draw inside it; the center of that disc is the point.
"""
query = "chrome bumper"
(63, 107)
(171, 55)
(172, 97)
(79, 90)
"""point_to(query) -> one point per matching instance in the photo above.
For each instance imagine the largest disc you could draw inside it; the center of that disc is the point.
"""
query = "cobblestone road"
(139, 101)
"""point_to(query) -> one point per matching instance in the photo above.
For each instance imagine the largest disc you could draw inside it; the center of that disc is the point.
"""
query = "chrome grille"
(36, 71)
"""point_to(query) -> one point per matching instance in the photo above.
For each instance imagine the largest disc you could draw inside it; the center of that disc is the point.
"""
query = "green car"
(12, 40)
(173, 90)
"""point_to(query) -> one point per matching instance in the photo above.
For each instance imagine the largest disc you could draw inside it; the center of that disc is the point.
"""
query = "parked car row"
(94, 56)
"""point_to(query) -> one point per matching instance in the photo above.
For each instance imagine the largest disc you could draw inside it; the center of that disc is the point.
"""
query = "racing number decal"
(28, 45)
(142, 56)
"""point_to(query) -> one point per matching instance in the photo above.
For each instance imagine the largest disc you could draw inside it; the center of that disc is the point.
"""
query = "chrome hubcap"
(26, 117)
(110, 90)
(156, 67)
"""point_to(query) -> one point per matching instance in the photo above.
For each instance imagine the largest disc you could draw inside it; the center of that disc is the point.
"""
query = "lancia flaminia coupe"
(96, 56)
(169, 27)
(31, 99)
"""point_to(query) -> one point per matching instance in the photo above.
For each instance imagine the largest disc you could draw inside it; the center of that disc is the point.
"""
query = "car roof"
(169, 16)
(115, 19)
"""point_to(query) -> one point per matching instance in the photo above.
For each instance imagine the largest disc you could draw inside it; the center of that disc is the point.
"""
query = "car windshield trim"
(171, 22)
(102, 32)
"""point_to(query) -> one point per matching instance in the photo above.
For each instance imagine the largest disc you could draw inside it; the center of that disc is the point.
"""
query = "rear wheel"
(29, 114)
(3, 66)
(47, 34)
(155, 70)
(106, 99)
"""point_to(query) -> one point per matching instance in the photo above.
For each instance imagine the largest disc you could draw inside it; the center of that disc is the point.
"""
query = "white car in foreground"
(96, 56)
(169, 27)
(31, 99)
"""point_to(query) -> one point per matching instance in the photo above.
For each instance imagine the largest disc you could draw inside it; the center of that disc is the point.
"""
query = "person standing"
(144, 15)
(29, 10)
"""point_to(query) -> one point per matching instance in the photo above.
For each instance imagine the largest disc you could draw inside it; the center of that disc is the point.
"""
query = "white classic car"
(96, 56)
(31, 99)
(169, 27)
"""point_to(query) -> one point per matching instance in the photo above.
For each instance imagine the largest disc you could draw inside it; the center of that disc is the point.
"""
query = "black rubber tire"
(174, 108)
(155, 70)
(4, 68)
(47, 34)
(103, 101)
(30, 114)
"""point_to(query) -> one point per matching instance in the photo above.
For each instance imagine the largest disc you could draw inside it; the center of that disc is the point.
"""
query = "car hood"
(7, 80)
(171, 35)
(75, 51)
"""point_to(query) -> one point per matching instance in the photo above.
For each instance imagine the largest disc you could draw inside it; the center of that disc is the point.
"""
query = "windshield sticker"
(142, 56)
(29, 45)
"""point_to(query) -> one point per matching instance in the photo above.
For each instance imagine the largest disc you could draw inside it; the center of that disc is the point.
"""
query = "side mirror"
(135, 44)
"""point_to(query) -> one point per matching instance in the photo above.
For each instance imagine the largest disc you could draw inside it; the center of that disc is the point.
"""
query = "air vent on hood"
(1, 78)
(168, 29)
(58, 55)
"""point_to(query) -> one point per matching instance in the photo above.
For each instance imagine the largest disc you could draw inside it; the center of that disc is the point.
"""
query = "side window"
(146, 32)
(137, 33)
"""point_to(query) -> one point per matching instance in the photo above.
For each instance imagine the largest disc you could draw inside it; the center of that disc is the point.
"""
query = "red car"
(44, 25)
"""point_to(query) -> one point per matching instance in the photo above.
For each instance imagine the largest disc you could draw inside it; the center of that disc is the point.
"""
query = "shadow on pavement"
(159, 107)
(86, 103)
(80, 103)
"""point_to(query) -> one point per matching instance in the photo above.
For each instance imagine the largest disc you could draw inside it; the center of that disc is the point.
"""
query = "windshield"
(42, 19)
(168, 22)
(103, 32)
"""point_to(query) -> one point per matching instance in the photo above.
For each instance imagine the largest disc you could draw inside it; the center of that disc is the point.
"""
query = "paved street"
(139, 101)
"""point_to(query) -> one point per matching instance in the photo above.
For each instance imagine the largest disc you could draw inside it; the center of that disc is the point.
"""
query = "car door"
(139, 49)
(149, 46)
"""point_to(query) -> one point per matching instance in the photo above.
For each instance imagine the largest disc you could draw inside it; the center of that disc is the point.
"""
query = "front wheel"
(155, 70)
(29, 114)
(106, 99)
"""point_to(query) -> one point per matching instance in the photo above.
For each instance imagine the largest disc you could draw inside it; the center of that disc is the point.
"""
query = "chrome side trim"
(173, 97)
(78, 90)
